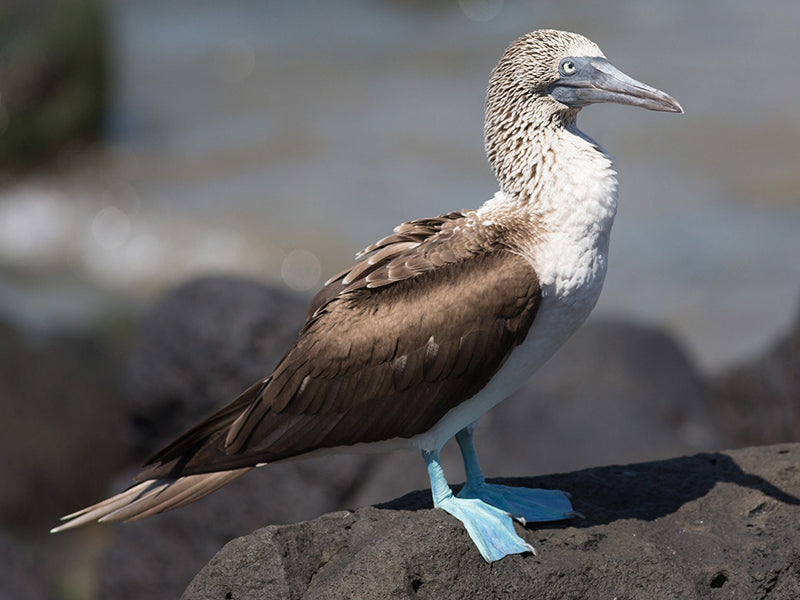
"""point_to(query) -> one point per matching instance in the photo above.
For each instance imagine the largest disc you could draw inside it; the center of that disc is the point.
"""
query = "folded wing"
(419, 324)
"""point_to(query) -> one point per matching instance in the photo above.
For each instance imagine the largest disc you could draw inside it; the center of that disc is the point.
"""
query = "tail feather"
(151, 497)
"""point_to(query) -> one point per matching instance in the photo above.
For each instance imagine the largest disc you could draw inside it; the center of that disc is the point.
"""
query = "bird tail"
(151, 497)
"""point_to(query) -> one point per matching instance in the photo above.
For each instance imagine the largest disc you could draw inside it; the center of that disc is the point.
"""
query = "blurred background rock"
(144, 144)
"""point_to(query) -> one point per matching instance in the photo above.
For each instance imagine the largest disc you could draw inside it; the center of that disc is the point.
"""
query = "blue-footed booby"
(435, 324)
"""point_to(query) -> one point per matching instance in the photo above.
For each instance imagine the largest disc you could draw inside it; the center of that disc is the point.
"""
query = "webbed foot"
(491, 529)
(526, 505)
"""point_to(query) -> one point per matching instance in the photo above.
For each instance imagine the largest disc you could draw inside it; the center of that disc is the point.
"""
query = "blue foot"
(526, 505)
(491, 529)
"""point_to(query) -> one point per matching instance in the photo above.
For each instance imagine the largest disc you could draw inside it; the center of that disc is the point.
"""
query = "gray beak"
(597, 80)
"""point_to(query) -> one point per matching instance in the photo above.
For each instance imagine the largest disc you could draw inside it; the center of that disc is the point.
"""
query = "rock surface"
(721, 525)
(59, 407)
(21, 578)
(758, 402)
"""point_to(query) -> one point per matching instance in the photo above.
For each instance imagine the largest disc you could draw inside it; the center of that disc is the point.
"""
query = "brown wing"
(405, 238)
(419, 324)
(401, 342)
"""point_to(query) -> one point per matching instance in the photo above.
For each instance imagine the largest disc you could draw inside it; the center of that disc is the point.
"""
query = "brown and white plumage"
(422, 321)
(438, 322)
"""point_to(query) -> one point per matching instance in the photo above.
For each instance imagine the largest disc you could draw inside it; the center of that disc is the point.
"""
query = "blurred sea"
(276, 139)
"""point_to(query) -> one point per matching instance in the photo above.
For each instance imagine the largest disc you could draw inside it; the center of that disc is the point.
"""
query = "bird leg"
(491, 529)
(526, 505)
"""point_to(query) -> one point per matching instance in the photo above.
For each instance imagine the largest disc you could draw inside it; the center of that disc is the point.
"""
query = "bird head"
(545, 78)
(562, 72)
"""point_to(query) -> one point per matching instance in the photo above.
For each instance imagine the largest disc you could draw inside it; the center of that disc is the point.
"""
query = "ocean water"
(276, 139)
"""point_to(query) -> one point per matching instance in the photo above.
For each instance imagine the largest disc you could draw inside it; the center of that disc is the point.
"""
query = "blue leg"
(524, 504)
(491, 529)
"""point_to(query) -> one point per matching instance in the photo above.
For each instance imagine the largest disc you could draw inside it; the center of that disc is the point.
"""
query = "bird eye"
(568, 67)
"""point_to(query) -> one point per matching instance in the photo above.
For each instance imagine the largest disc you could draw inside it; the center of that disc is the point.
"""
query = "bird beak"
(597, 80)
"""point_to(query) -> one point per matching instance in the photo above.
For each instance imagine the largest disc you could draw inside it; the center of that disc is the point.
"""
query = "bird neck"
(539, 159)
(553, 177)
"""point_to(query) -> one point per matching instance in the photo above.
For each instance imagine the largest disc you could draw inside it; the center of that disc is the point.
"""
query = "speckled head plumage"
(520, 81)
(542, 81)
(531, 63)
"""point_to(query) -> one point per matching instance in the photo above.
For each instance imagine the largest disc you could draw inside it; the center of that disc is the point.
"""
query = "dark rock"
(22, 578)
(723, 525)
(59, 411)
(758, 402)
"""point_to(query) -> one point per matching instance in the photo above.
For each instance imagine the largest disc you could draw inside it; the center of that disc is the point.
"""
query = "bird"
(441, 320)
